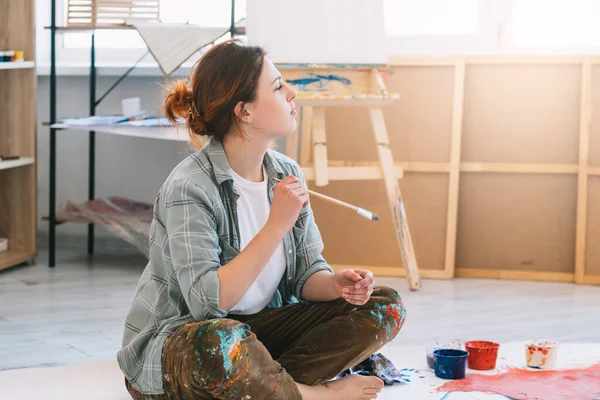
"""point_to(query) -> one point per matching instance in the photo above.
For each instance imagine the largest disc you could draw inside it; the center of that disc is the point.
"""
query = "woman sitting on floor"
(236, 301)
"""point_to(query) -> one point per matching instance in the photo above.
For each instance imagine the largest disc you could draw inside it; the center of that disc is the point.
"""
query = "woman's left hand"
(354, 285)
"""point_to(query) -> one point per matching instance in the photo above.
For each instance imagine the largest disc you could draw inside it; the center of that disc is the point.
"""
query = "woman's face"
(273, 112)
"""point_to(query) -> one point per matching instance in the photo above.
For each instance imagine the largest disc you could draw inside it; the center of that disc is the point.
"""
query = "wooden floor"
(74, 313)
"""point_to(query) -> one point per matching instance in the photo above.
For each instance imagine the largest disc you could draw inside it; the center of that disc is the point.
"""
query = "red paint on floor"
(521, 384)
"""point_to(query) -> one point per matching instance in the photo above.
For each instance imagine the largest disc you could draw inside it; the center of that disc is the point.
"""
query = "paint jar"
(541, 354)
(18, 56)
(2, 53)
(450, 363)
(8, 56)
(3, 244)
(441, 344)
(482, 354)
(131, 107)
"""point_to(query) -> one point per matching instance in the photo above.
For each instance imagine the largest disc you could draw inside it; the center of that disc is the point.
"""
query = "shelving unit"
(143, 133)
(18, 194)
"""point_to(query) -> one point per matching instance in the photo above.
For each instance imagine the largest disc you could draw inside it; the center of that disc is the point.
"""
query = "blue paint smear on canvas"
(318, 82)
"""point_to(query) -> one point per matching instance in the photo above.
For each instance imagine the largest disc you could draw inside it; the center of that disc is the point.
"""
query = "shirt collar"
(218, 159)
(222, 170)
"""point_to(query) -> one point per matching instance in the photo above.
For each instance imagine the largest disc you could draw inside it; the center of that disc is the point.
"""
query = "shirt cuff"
(318, 266)
(209, 290)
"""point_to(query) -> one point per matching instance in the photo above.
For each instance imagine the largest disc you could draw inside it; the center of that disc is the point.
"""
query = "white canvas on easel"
(318, 31)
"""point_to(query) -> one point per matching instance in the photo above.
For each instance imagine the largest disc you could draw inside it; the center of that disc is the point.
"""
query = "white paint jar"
(131, 107)
(541, 354)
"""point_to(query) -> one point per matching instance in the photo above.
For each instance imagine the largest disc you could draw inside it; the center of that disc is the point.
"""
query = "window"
(430, 28)
(209, 13)
(555, 23)
(431, 17)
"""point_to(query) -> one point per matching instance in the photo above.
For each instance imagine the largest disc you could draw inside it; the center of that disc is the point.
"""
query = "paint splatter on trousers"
(263, 355)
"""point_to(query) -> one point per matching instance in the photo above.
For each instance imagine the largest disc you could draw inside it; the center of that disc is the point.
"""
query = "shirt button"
(289, 278)
(290, 251)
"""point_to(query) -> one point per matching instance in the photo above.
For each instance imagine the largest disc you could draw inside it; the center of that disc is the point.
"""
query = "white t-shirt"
(253, 208)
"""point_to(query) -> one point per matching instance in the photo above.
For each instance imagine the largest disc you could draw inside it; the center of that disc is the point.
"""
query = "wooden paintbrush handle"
(332, 200)
(363, 213)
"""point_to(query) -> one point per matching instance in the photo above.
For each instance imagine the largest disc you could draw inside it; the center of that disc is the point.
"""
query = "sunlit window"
(556, 23)
(431, 17)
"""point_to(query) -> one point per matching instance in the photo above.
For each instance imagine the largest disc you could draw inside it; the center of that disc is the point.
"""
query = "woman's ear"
(241, 112)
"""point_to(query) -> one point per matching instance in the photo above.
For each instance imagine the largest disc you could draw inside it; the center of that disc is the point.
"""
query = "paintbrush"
(360, 211)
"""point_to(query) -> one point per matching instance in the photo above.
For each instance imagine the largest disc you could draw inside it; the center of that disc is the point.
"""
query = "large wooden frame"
(459, 172)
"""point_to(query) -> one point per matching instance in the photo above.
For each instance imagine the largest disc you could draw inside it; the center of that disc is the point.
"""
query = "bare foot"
(353, 387)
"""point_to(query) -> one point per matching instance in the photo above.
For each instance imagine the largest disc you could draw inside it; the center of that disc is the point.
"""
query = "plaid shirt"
(194, 231)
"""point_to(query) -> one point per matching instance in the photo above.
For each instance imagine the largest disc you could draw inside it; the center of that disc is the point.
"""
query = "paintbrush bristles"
(367, 214)
(360, 211)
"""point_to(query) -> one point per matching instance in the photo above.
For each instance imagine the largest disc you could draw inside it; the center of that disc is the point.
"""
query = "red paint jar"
(482, 354)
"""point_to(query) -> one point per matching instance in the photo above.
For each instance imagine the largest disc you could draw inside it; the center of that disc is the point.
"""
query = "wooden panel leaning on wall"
(528, 161)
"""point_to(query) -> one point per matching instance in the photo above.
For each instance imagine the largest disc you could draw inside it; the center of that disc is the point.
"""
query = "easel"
(322, 86)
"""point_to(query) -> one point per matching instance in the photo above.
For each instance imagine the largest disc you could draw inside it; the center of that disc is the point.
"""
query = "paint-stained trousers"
(260, 356)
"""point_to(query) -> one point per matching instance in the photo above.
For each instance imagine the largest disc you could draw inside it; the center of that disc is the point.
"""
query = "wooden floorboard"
(75, 312)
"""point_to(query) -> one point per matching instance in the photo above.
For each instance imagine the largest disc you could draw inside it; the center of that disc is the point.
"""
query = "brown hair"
(227, 74)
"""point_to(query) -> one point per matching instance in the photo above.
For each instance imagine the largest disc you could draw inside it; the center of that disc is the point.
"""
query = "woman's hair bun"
(179, 104)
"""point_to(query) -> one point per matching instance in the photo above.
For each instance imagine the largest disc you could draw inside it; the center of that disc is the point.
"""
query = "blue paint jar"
(450, 363)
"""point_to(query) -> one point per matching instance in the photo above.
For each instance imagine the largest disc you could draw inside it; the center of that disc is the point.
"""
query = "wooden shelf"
(21, 162)
(163, 132)
(18, 134)
(61, 219)
(15, 257)
(17, 65)
(240, 30)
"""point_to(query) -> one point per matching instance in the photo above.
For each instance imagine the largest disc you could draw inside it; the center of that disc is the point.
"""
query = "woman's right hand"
(289, 197)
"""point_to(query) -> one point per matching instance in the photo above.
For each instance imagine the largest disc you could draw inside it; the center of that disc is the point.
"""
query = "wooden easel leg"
(454, 175)
(291, 143)
(306, 136)
(319, 143)
(395, 198)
